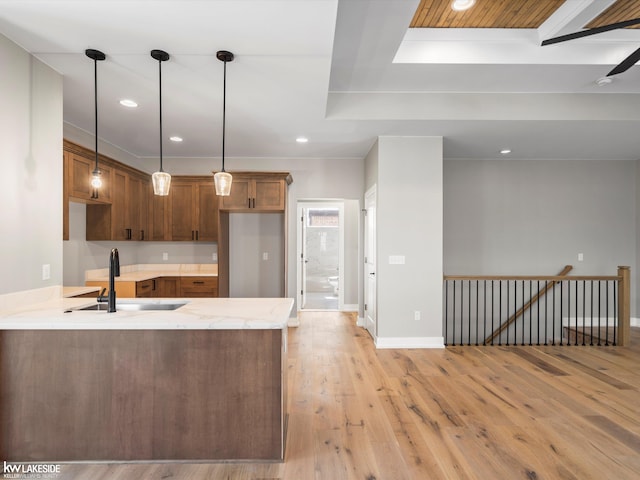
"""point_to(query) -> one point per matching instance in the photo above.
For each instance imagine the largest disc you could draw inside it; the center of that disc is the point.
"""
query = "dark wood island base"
(140, 395)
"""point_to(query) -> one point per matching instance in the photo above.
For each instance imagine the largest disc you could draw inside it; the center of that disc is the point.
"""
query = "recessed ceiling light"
(175, 138)
(302, 139)
(604, 81)
(128, 103)
(505, 151)
(460, 5)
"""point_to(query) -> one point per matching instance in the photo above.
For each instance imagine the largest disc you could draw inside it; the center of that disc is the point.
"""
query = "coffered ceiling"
(341, 73)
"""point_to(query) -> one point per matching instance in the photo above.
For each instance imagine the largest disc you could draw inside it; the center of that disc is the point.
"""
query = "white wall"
(534, 217)
(31, 180)
(409, 224)
(250, 236)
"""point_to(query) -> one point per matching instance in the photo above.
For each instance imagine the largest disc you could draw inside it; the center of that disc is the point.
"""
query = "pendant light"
(223, 179)
(161, 180)
(95, 55)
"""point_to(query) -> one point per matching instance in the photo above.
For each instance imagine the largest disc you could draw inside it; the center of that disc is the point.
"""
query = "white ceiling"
(325, 69)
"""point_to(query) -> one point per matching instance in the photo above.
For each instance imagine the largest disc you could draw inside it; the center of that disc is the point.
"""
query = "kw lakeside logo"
(30, 470)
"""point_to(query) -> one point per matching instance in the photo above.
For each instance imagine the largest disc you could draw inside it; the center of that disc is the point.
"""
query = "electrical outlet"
(46, 271)
(214, 256)
(416, 315)
(165, 256)
(580, 257)
(265, 255)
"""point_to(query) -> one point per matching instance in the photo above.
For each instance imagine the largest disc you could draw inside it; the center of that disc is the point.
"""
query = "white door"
(370, 291)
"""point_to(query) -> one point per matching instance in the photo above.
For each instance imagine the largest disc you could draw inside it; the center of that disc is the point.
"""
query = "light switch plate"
(165, 256)
(396, 259)
(46, 271)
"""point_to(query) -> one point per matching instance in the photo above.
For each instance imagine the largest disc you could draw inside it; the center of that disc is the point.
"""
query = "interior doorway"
(370, 290)
(321, 255)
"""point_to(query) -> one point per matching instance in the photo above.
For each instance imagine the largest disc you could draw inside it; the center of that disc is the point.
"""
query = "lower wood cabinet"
(164, 287)
(198, 286)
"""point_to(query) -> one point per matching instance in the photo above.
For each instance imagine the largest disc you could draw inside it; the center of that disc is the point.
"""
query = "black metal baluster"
(477, 309)
(538, 326)
(615, 311)
(492, 313)
(584, 307)
(500, 313)
(469, 316)
(461, 312)
(453, 338)
(546, 313)
(446, 312)
(531, 313)
(606, 342)
(523, 316)
(591, 299)
(576, 312)
(599, 311)
(553, 314)
(507, 312)
(484, 307)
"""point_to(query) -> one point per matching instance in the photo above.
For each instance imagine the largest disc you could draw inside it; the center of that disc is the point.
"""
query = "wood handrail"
(553, 279)
(550, 278)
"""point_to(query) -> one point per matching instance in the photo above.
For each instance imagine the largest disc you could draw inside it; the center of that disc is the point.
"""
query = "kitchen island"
(205, 381)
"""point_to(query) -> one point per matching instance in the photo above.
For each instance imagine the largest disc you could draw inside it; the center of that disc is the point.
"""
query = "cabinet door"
(144, 288)
(207, 213)
(268, 194)
(159, 216)
(79, 177)
(119, 207)
(182, 212)
(138, 201)
(239, 197)
(167, 287)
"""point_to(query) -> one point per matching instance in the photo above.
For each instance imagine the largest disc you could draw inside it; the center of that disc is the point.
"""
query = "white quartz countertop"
(196, 314)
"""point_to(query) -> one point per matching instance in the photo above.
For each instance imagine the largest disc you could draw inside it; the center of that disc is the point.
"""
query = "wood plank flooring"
(460, 413)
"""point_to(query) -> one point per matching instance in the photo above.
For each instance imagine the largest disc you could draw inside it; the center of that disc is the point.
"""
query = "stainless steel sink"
(135, 306)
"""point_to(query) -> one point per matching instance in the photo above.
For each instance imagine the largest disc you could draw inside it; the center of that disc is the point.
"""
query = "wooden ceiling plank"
(618, 12)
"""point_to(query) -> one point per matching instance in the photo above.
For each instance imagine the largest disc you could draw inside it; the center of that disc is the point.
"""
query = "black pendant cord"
(95, 100)
(224, 109)
(95, 55)
(160, 94)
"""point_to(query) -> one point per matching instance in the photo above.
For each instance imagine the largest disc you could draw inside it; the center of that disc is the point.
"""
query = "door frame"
(319, 203)
(371, 305)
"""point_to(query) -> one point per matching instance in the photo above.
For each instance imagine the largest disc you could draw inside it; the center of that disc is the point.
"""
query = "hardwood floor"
(460, 413)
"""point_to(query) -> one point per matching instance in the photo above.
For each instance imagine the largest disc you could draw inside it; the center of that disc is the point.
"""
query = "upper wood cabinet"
(193, 206)
(79, 172)
(257, 192)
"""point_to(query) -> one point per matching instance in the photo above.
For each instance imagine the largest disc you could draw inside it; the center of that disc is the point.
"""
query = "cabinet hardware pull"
(154, 283)
(254, 203)
(200, 282)
(192, 235)
(249, 203)
(141, 234)
(197, 235)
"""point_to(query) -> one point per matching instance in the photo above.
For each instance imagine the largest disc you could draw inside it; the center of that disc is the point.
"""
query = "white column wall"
(409, 224)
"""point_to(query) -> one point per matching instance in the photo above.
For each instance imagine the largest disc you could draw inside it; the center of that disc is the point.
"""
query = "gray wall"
(31, 180)
(535, 217)
(250, 236)
(409, 223)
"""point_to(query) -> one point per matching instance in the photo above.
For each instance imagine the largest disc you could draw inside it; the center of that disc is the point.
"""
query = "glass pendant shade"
(161, 183)
(96, 179)
(222, 181)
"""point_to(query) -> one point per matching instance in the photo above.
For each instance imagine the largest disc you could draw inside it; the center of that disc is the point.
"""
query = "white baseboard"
(350, 307)
(409, 342)
(360, 322)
